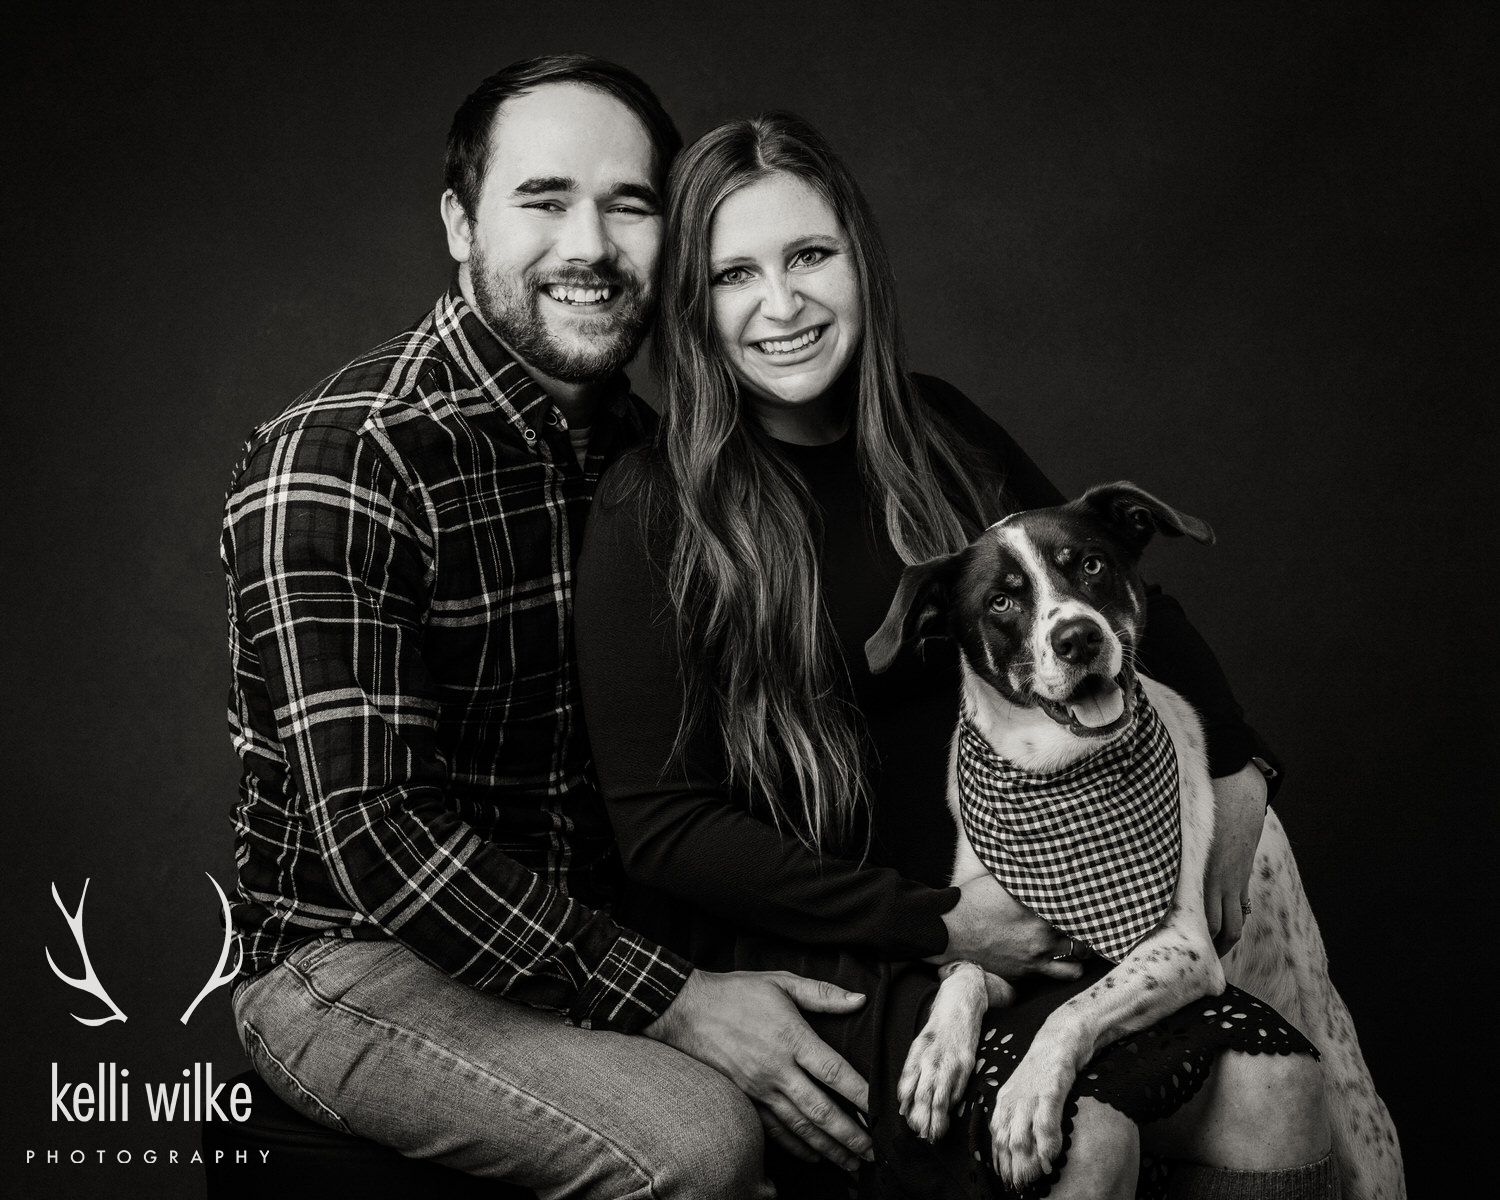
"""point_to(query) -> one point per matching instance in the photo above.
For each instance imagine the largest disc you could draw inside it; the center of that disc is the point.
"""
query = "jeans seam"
(391, 1028)
(253, 1034)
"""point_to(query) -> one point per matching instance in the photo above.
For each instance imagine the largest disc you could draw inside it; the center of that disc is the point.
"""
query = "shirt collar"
(498, 375)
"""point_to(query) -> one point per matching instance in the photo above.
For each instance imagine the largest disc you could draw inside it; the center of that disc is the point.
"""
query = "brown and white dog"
(1047, 609)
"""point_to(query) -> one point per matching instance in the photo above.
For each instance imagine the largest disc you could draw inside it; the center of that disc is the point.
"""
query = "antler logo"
(89, 981)
(220, 977)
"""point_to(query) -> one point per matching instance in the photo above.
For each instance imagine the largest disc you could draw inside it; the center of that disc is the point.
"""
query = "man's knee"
(720, 1152)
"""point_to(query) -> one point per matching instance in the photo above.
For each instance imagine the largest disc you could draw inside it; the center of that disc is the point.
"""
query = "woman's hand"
(745, 1024)
(1239, 813)
(991, 927)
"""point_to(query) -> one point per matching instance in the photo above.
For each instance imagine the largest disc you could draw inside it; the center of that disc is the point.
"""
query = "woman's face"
(786, 303)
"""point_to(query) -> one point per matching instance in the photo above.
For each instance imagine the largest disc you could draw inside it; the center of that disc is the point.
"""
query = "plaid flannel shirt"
(400, 546)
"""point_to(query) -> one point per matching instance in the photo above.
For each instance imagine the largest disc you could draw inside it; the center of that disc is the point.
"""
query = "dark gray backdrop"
(1246, 260)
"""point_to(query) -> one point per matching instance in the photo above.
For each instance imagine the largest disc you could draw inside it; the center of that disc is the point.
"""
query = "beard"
(591, 349)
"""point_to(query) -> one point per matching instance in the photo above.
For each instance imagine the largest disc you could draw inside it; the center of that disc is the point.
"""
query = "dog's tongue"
(1102, 705)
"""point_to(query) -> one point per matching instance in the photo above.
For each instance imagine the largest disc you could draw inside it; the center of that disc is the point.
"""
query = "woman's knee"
(1104, 1156)
(1282, 1096)
(1257, 1112)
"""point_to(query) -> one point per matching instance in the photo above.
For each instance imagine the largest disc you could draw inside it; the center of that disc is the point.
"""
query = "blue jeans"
(366, 1038)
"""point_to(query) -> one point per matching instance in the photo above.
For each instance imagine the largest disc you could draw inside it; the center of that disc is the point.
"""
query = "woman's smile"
(786, 304)
(785, 348)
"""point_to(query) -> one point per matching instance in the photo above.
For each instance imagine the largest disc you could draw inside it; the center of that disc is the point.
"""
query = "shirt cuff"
(1230, 747)
(920, 932)
(634, 985)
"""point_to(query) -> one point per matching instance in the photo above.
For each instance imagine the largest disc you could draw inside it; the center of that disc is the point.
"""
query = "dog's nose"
(1078, 641)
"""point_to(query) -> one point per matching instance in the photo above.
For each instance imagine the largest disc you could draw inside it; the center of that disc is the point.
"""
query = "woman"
(778, 806)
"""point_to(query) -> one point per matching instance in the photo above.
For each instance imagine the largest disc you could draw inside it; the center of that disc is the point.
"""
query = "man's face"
(561, 252)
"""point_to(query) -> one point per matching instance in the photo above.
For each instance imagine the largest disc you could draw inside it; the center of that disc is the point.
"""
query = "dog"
(1047, 609)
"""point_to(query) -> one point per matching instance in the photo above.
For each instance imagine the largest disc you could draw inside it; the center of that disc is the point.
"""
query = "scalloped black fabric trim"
(1147, 1076)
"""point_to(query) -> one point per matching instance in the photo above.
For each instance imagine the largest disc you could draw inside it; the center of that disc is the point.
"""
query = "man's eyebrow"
(637, 191)
(541, 184)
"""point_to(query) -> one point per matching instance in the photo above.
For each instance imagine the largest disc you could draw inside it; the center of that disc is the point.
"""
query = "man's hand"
(1239, 812)
(991, 927)
(745, 1024)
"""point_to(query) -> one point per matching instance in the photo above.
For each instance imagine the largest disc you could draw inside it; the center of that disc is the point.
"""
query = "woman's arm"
(679, 829)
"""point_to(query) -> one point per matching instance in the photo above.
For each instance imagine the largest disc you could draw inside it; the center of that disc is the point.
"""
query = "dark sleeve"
(326, 559)
(1172, 651)
(1024, 484)
(679, 828)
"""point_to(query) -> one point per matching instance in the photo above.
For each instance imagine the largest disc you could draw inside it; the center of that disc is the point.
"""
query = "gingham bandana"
(1094, 849)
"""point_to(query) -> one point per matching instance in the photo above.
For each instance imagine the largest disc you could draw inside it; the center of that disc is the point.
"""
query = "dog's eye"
(1093, 565)
(1001, 603)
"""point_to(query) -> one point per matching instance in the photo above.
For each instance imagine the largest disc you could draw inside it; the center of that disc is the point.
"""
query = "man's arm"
(745, 1024)
(329, 556)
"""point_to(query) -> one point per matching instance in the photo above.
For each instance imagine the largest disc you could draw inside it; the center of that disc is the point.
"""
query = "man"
(423, 860)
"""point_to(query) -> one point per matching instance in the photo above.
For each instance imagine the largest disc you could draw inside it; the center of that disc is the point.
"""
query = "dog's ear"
(919, 610)
(1137, 514)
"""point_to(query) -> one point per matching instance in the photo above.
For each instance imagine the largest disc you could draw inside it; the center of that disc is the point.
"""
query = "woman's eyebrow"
(812, 239)
(797, 243)
(718, 264)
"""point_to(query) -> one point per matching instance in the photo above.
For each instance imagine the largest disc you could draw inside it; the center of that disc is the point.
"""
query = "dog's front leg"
(941, 1058)
(1026, 1125)
(1173, 966)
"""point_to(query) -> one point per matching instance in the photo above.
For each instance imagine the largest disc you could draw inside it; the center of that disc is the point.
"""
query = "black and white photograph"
(813, 600)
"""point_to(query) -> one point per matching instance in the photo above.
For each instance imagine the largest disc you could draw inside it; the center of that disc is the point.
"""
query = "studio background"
(1247, 261)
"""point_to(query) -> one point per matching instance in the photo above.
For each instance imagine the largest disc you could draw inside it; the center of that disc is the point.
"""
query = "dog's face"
(1046, 606)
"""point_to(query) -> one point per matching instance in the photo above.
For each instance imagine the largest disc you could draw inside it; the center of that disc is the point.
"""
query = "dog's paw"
(937, 1067)
(1026, 1129)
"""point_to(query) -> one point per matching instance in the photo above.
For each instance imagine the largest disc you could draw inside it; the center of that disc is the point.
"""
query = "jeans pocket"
(286, 1085)
(332, 968)
(307, 956)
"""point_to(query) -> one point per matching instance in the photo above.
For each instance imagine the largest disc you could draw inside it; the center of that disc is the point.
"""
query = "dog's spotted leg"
(941, 1058)
(1026, 1124)
(1282, 959)
(1173, 966)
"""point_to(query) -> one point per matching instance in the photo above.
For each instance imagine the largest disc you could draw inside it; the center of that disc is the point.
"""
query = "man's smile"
(580, 297)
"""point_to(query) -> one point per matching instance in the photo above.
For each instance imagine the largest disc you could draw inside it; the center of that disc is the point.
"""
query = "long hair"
(759, 660)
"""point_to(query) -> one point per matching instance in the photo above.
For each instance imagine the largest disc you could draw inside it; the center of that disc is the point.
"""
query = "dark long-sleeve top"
(705, 870)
